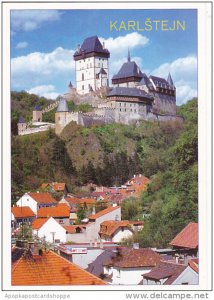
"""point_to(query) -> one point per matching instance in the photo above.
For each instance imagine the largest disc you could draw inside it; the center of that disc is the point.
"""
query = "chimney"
(136, 246)
(103, 45)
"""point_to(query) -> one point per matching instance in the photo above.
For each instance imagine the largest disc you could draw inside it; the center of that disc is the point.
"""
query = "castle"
(133, 95)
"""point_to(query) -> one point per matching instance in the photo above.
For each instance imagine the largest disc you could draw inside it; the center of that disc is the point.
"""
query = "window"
(82, 87)
(61, 221)
(120, 109)
(58, 118)
(125, 109)
(90, 65)
(82, 76)
(99, 65)
(131, 109)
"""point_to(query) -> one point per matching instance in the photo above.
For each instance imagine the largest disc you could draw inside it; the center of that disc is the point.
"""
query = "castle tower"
(22, 125)
(91, 65)
(129, 74)
(61, 116)
(37, 114)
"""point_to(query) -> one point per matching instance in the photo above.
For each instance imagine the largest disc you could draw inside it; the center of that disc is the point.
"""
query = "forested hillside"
(109, 155)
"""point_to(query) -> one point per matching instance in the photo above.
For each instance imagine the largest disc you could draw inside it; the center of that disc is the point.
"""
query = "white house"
(90, 232)
(91, 65)
(171, 273)
(36, 200)
(115, 231)
(50, 229)
(130, 264)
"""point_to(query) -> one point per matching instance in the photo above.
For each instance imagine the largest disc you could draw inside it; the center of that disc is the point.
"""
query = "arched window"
(82, 76)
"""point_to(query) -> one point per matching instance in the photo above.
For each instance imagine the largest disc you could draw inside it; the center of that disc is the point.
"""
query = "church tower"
(91, 65)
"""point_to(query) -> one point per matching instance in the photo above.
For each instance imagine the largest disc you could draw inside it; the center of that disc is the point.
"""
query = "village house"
(186, 242)
(21, 215)
(45, 268)
(55, 187)
(84, 254)
(171, 273)
(74, 202)
(36, 200)
(89, 232)
(49, 230)
(130, 264)
(115, 231)
(61, 213)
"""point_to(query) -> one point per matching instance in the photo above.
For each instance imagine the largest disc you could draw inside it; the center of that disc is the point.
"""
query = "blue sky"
(43, 43)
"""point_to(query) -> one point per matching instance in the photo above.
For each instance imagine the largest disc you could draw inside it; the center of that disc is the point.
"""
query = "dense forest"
(108, 155)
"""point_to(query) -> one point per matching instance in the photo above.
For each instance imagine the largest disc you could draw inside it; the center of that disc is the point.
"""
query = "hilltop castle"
(133, 95)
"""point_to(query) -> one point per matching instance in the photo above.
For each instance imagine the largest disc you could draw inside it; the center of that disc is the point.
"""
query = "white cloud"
(47, 91)
(118, 48)
(122, 43)
(38, 68)
(184, 74)
(21, 45)
(31, 19)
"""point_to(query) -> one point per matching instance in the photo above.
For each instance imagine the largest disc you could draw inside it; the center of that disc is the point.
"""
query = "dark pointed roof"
(21, 120)
(70, 84)
(63, 106)
(169, 80)
(161, 82)
(91, 45)
(129, 92)
(37, 108)
(102, 71)
(128, 69)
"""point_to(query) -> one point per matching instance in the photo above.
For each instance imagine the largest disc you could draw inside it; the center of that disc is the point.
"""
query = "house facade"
(115, 231)
(21, 215)
(36, 200)
(49, 229)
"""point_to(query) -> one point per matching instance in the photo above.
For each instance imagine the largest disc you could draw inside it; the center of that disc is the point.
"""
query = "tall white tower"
(91, 65)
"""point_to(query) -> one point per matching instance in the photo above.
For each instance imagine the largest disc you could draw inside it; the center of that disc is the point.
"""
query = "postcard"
(107, 138)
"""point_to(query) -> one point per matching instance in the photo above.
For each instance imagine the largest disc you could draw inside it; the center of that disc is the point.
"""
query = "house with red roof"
(186, 241)
(115, 231)
(36, 200)
(128, 266)
(49, 229)
(20, 215)
(55, 187)
(171, 273)
(90, 232)
(47, 268)
(61, 213)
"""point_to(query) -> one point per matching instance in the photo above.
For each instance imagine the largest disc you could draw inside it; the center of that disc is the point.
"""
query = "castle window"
(124, 104)
(130, 105)
(87, 66)
(135, 110)
(82, 76)
(58, 118)
(120, 109)
(82, 87)
(131, 109)
(120, 104)
(90, 65)
(125, 109)
(98, 64)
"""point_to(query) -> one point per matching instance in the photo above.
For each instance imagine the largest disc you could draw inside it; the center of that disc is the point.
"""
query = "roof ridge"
(68, 262)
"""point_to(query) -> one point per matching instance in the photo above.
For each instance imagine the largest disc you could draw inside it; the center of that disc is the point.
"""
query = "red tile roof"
(39, 222)
(22, 212)
(50, 269)
(193, 263)
(187, 238)
(55, 185)
(81, 201)
(135, 258)
(72, 228)
(103, 212)
(165, 270)
(108, 228)
(60, 211)
(42, 197)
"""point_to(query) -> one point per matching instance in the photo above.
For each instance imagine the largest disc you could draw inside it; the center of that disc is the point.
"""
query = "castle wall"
(164, 104)
(37, 116)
